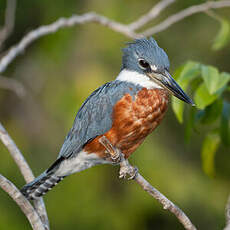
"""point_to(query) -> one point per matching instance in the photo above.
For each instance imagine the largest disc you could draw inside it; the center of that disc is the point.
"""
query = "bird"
(125, 111)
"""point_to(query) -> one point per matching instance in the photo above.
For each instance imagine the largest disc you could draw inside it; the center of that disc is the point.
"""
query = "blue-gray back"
(94, 118)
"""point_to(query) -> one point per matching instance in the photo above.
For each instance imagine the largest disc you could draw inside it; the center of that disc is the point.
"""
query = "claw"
(114, 154)
(116, 158)
(128, 171)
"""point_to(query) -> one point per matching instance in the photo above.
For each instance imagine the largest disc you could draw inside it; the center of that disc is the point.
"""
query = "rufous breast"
(133, 119)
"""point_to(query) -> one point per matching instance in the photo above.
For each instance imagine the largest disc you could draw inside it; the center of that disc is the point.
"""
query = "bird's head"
(150, 64)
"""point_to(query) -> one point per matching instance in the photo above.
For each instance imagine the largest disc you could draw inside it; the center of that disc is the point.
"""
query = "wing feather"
(95, 116)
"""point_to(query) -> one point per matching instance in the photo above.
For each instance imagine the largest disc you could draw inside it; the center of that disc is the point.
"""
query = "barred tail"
(43, 183)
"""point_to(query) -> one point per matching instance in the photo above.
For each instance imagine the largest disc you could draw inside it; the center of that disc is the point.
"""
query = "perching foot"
(116, 158)
(114, 154)
(127, 170)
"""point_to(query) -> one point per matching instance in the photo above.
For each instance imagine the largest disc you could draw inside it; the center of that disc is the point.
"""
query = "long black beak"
(166, 81)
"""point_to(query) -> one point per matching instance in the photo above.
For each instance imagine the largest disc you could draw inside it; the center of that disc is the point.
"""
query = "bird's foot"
(114, 153)
(127, 170)
(116, 156)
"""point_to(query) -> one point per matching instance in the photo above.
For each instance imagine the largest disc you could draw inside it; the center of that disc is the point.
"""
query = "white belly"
(78, 163)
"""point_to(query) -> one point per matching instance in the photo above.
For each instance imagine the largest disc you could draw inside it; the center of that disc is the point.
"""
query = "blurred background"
(59, 71)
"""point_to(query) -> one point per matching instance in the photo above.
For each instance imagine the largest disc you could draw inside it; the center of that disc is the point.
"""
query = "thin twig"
(153, 13)
(127, 30)
(16, 154)
(9, 21)
(22, 202)
(214, 15)
(113, 25)
(227, 214)
(183, 14)
(25, 170)
(13, 85)
(61, 23)
(167, 204)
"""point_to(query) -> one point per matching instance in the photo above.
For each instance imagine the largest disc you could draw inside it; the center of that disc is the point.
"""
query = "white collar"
(137, 79)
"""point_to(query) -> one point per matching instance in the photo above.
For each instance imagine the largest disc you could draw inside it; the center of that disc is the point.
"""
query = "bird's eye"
(143, 64)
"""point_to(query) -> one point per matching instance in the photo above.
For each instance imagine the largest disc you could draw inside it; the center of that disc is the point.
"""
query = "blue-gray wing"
(95, 116)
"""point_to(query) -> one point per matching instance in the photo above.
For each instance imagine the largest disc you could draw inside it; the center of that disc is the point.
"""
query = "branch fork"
(37, 215)
(39, 206)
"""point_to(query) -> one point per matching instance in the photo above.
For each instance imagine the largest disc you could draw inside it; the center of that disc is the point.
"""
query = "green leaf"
(203, 98)
(189, 72)
(225, 126)
(224, 79)
(223, 35)
(209, 148)
(213, 80)
(211, 77)
(178, 108)
(195, 83)
(212, 112)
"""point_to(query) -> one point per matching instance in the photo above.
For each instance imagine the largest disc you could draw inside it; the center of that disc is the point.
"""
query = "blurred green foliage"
(223, 37)
(209, 87)
(62, 69)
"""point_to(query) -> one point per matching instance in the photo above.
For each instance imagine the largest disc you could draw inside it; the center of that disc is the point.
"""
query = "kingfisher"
(125, 111)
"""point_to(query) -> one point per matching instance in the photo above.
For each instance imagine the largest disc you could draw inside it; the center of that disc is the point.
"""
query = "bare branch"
(126, 30)
(61, 23)
(167, 204)
(185, 13)
(22, 202)
(153, 13)
(9, 21)
(25, 170)
(227, 210)
(13, 85)
(16, 154)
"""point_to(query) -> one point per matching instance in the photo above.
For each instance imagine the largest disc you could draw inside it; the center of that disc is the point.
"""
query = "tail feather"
(41, 185)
